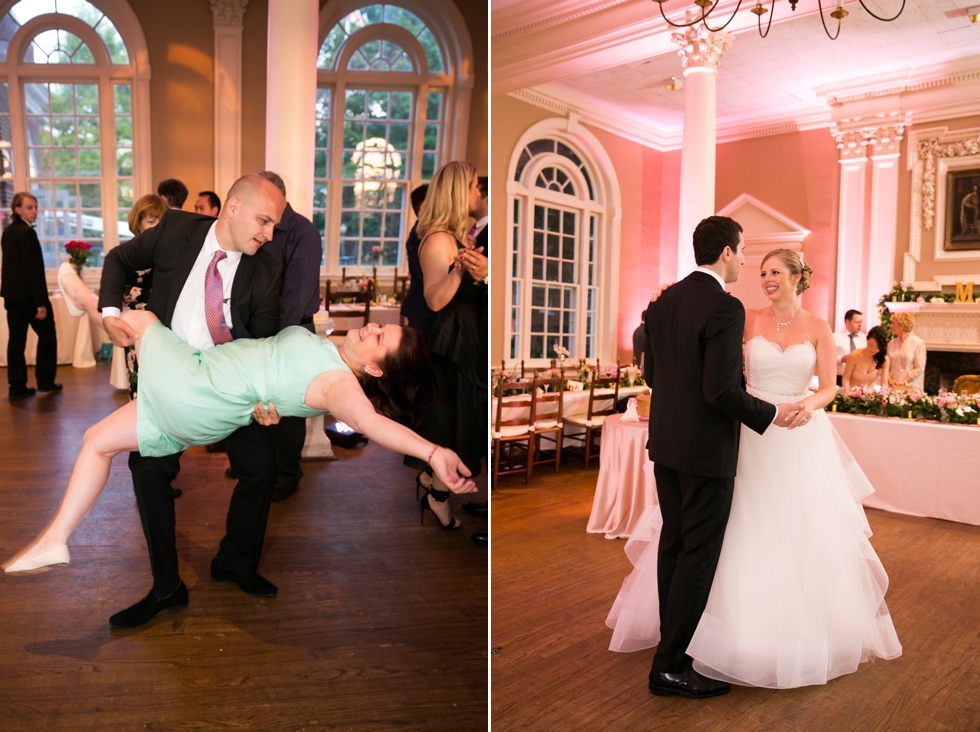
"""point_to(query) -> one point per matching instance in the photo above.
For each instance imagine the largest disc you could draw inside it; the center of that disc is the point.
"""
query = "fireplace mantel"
(944, 326)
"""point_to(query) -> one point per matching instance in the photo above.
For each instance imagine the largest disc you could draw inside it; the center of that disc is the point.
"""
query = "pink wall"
(797, 174)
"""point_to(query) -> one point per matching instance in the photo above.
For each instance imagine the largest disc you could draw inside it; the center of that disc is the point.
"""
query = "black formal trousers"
(252, 453)
(290, 439)
(21, 316)
(695, 511)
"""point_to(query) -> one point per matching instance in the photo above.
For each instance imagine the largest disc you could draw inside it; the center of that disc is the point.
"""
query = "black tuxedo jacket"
(170, 249)
(23, 279)
(694, 368)
(482, 240)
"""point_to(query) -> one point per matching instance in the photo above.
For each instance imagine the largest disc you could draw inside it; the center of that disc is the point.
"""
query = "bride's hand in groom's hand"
(802, 414)
(263, 417)
(659, 291)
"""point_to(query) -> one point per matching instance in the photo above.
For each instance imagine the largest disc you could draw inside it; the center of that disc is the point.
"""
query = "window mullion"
(107, 127)
(18, 130)
(335, 178)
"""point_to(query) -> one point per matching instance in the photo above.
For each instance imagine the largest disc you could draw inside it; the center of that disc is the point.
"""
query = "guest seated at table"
(906, 354)
(869, 365)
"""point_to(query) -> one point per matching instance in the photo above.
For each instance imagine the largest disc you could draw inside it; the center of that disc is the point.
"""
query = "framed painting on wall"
(962, 210)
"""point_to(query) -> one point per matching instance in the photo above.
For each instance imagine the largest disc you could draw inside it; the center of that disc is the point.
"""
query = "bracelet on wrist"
(429, 460)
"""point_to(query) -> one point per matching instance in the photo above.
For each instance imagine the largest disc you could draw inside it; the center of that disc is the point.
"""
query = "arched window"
(563, 231)
(392, 100)
(69, 87)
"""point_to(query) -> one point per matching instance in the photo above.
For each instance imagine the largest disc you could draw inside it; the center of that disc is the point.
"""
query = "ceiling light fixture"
(673, 84)
(973, 14)
(709, 6)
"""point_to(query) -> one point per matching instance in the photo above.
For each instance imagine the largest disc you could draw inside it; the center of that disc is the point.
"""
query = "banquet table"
(382, 314)
(75, 342)
(917, 468)
(573, 403)
(626, 485)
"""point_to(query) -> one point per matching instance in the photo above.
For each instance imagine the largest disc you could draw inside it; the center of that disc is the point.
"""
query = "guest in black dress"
(415, 310)
(454, 287)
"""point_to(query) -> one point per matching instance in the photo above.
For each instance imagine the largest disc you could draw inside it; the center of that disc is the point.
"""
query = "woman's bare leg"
(113, 435)
(73, 288)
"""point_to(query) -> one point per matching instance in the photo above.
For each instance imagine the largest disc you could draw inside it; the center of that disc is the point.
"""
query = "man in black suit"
(180, 250)
(693, 363)
(25, 296)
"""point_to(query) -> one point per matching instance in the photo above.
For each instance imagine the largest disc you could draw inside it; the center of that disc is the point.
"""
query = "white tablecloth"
(626, 485)
(573, 402)
(379, 314)
(917, 468)
(75, 342)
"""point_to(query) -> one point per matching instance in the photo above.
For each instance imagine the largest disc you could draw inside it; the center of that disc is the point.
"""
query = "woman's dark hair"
(877, 334)
(407, 382)
(711, 237)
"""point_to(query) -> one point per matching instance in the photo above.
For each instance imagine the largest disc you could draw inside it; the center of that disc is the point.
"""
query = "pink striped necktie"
(214, 296)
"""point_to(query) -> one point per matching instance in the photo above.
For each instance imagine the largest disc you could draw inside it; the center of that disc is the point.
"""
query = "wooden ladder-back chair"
(603, 399)
(361, 298)
(546, 419)
(513, 438)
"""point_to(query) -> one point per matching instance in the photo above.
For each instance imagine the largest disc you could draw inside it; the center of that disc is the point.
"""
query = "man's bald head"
(251, 185)
(248, 219)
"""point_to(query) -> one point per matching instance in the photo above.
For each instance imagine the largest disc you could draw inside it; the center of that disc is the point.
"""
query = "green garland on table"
(946, 407)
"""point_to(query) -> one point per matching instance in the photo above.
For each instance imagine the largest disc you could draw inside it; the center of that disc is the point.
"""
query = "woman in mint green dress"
(190, 396)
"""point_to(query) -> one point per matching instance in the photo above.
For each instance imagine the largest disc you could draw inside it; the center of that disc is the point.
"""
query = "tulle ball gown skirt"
(798, 596)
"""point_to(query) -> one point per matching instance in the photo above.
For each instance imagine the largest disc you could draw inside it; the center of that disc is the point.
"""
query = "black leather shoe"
(229, 473)
(476, 509)
(145, 609)
(282, 491)
(255, 584)
(51, 388)
(687, 683)
(481, 538)
(176, 492)
(16, 394)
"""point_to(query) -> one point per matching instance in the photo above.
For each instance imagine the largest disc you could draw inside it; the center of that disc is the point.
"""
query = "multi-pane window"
(517, 282)
(387, 126)
(6, 156)
(64, 164)
(554, 289)
(123, 108)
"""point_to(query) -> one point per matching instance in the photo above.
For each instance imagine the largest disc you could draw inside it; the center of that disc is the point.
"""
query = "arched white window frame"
(103, 72)
(523, 194)
(449, 29)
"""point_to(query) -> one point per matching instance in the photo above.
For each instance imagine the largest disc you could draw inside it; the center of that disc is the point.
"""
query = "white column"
(851, 251)
(701, 52)
(227, 92)
(884, 217)
(290, 97)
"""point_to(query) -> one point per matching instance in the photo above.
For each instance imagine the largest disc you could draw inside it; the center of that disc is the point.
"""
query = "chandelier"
(709, 6)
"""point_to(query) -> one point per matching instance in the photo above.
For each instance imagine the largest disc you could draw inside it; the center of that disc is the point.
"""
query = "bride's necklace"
(778, 324)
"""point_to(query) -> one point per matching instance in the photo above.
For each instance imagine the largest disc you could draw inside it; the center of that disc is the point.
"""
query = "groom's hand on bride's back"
(789, 415)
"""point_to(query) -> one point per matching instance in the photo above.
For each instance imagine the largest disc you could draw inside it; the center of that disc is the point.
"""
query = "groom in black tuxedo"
(693, 364)
(180, 250)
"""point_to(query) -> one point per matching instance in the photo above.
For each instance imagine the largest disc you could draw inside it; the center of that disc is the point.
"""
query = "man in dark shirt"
(299, 246)
(640, 340)
(25, 293)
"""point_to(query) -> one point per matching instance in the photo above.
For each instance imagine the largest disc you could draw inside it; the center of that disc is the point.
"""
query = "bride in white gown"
(798, 596)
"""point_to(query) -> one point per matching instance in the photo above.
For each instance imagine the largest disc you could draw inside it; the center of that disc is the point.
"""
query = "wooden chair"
(547, 422)
(362, 298)
(601, 405)
(966, 384)
(513, 439)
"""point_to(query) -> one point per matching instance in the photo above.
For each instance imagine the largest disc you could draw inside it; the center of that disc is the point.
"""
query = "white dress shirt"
(188, 320)
(842, 339)
(480, 226)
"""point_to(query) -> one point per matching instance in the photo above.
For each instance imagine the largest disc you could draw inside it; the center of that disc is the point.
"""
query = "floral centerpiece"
(376, 251)
(560, 351)
(79, 252)
(945, 407)
(552, 374)
(631, 376)
(366, 284)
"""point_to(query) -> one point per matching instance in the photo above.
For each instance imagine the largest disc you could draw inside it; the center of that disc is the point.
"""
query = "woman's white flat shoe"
(73, 309)
(57, 557)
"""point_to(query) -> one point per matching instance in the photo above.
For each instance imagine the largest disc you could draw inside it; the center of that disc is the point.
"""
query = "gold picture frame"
(962, 210)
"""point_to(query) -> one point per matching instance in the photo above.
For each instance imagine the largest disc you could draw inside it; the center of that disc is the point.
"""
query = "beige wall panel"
(254, 42)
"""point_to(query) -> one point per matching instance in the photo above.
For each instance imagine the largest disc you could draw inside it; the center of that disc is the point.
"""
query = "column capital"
(887, 139)
(852, 144)
(700, 48)
(228, 12)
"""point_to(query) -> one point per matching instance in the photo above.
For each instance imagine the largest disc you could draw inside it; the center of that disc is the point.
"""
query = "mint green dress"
(190, 396)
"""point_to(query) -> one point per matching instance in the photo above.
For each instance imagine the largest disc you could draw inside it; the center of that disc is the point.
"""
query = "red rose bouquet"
(79, 252)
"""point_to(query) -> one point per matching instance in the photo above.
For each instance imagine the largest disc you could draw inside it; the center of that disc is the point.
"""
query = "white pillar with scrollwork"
(701, 52)
(290, 97)
(227, 92)
(885, 152)
(851, 253)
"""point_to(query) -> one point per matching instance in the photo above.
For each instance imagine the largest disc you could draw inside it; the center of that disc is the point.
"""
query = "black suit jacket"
(693, 365)
(22, 279)
(170, 249)
(483, 240)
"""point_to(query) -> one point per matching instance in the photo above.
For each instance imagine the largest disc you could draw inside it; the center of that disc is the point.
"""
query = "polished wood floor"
(379, 624)
(553, 584)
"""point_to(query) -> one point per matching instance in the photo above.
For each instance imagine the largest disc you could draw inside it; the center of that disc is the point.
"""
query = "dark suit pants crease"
(20, 317)
(695, 510)
(290, 438)
(252, 453)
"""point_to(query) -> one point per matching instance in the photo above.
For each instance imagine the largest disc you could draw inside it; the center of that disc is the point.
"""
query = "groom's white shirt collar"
(713, 274)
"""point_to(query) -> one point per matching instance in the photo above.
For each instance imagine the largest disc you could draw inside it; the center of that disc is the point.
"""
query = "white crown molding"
(517, 21)
(902, 81)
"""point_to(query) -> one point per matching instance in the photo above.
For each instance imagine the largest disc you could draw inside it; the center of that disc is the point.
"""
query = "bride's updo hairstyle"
(795, 266)
(406, 382)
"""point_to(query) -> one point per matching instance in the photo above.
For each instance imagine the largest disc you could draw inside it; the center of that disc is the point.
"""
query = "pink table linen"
(626, 485)
(917, 468)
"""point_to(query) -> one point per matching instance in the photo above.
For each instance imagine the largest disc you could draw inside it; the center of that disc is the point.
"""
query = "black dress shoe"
(481, 538)
(51, 388)
(229, 473)
(254, 584)
(282, 491)
(476, 509)
(145, 609)
(16, 394)
(687, 683)
(176, 492)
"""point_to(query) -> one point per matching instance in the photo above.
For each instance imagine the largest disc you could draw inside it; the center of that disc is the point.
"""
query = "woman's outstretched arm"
(343, 397)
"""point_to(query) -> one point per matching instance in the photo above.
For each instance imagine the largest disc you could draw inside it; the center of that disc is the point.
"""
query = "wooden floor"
(379, 624)
(553, 584)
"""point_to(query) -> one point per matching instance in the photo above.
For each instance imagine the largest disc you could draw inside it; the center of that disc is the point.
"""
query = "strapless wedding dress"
(798, 596)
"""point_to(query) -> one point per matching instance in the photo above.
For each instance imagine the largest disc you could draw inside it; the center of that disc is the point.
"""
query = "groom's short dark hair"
(711, 237)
